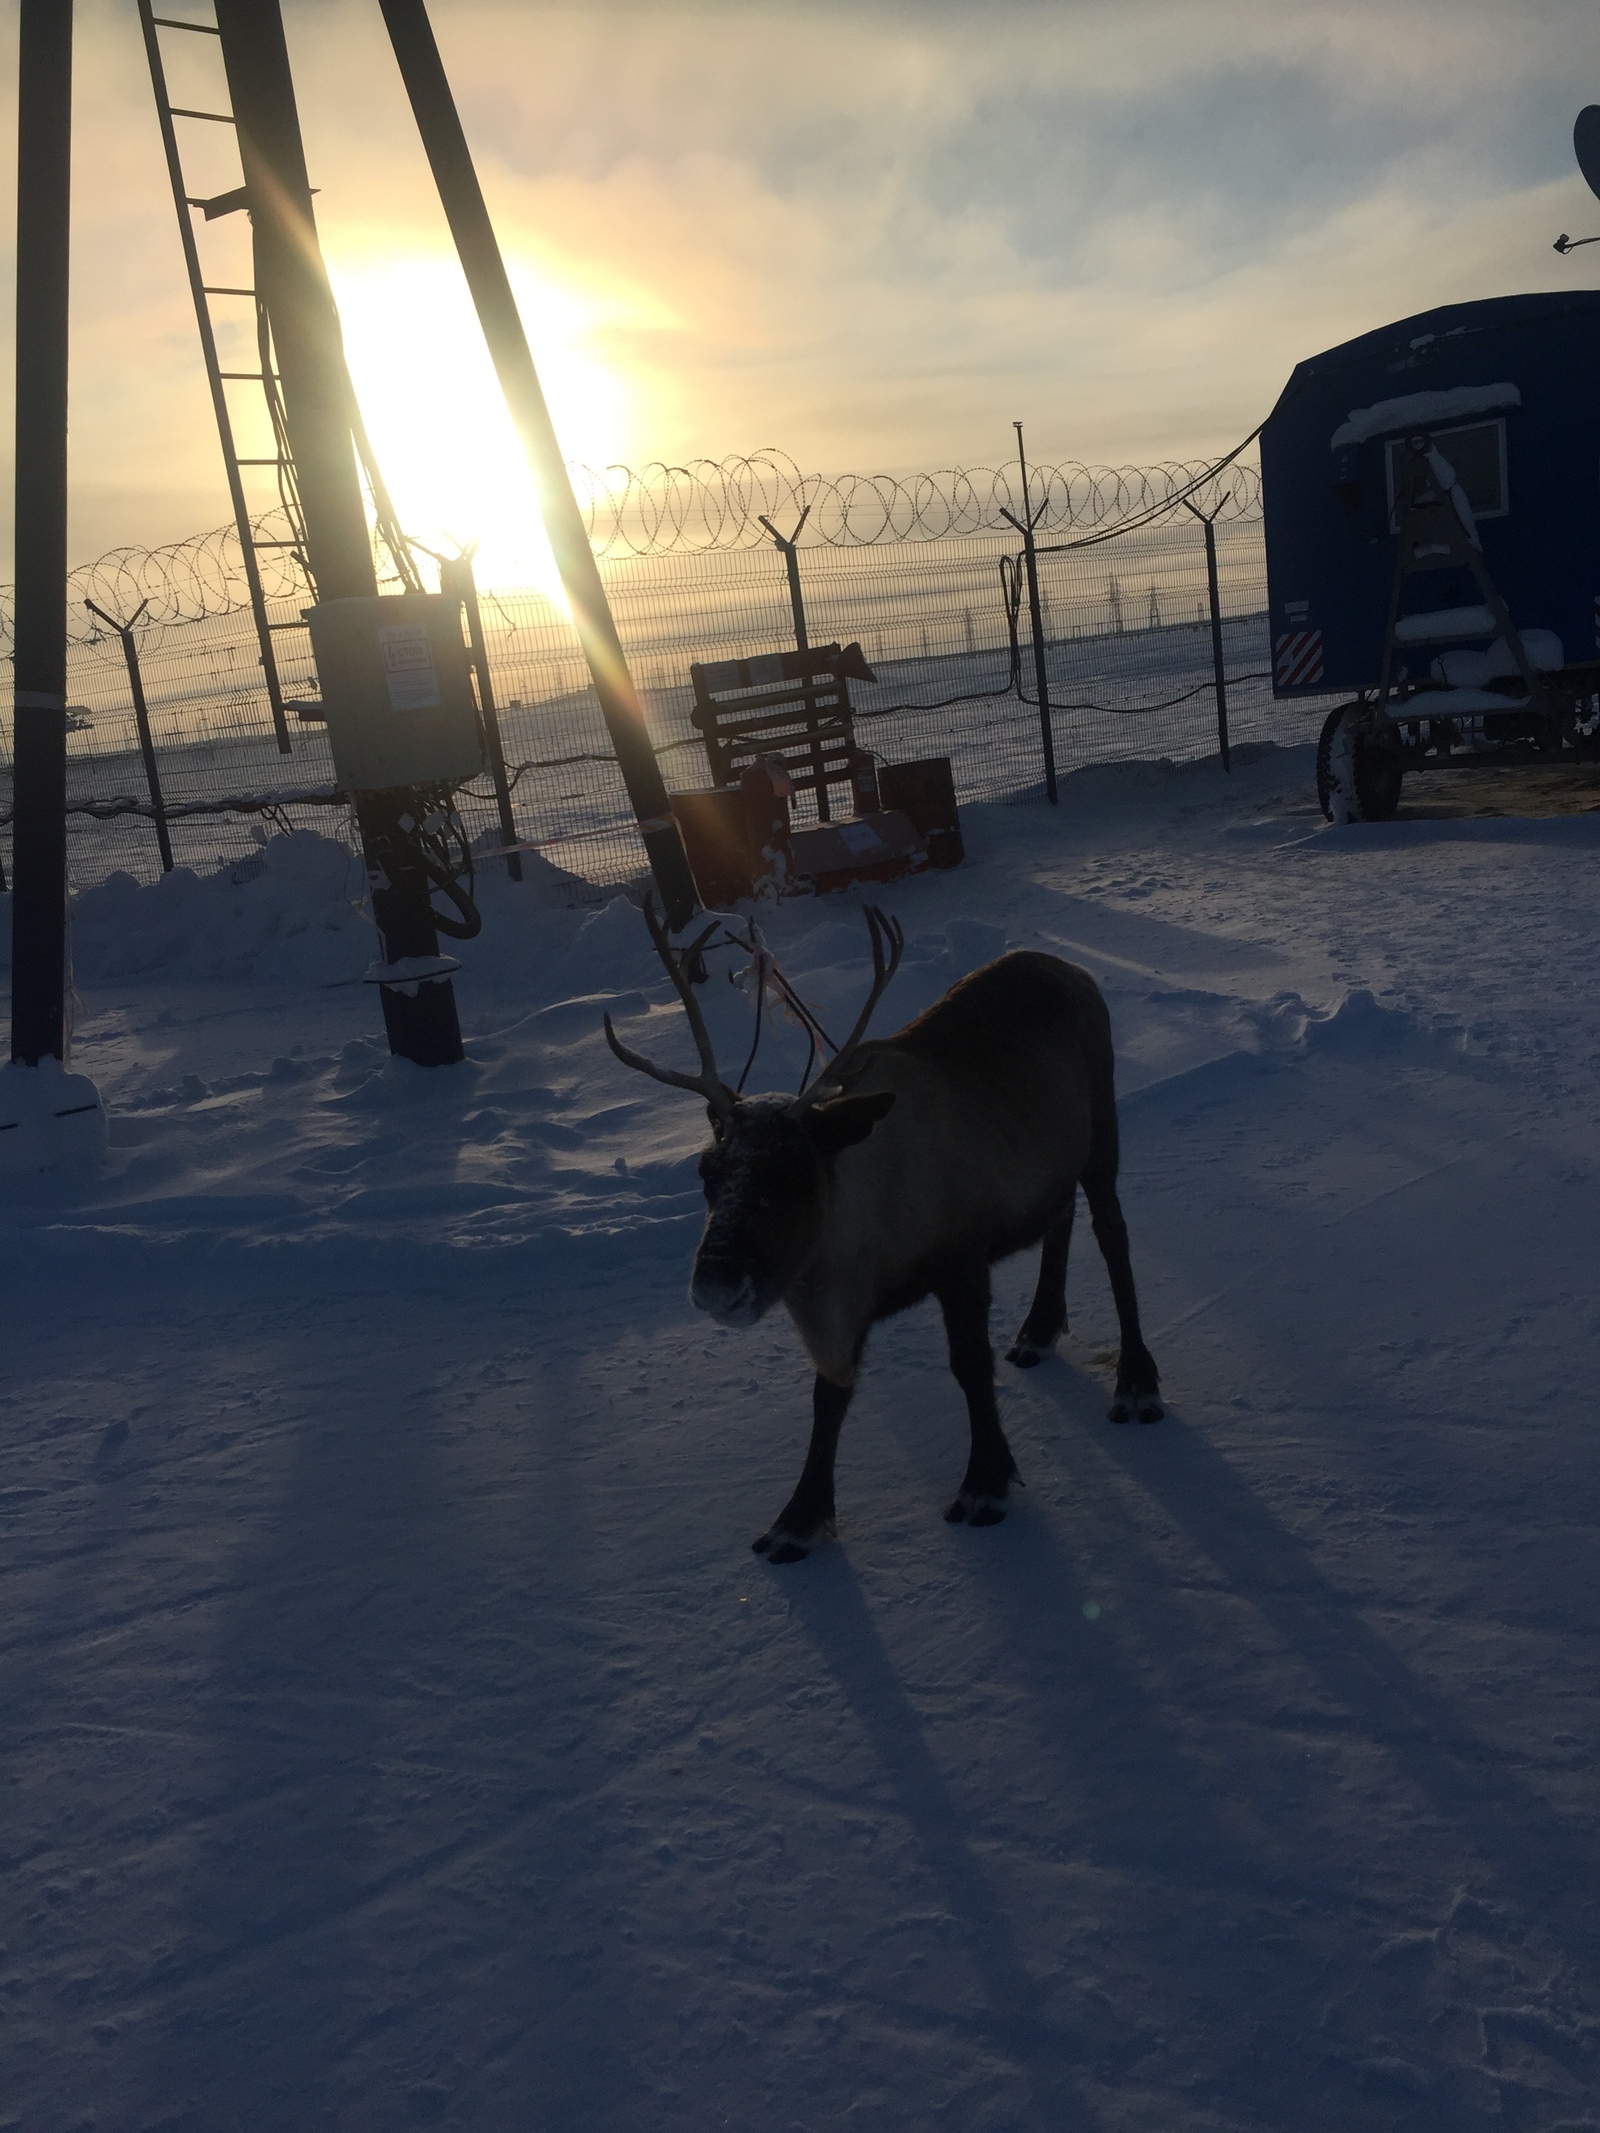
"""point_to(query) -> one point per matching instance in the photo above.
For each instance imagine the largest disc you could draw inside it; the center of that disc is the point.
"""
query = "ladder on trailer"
(186, 204)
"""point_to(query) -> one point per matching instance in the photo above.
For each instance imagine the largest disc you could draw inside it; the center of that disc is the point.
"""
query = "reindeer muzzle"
(731, 1299)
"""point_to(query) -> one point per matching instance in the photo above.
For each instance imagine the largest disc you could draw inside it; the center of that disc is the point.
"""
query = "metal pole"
(1220, 676)
(789, 550)
(1216, 646)
(451, 160)
(456, 578)
(1025, 526)
(1040, 675)
(39, 825)
(141, 718)
(292, 282)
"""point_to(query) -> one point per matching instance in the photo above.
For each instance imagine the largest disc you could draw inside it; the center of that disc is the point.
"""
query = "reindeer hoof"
(780, 1545)
(974, 1510)
(1026, 1354)
(1136, 1406)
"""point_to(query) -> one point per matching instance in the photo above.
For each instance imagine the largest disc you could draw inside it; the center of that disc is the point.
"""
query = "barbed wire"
(703, 505)
(184, 581)
(719, 504)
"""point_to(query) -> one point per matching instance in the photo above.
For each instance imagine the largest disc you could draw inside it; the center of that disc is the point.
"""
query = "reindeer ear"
(846, 1120)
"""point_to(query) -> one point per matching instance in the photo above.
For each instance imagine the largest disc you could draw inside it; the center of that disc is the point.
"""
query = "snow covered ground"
(398, 1731)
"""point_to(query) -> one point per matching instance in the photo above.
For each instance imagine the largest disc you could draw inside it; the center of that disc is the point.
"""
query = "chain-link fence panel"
(942, 618)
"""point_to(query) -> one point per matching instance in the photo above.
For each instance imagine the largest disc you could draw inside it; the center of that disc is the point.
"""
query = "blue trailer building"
(1432, 500)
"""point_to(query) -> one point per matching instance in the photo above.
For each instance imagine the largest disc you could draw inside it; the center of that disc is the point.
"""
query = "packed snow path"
(398, 1730)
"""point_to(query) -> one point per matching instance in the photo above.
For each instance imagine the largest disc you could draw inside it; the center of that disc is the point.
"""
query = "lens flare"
(437, 420)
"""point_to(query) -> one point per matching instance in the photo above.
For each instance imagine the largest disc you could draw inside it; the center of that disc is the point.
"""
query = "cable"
(1140, 710)
(1159, 510)
(755, 1041)
(444, 854)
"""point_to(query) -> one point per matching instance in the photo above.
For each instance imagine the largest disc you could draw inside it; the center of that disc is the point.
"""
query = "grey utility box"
(396, 691)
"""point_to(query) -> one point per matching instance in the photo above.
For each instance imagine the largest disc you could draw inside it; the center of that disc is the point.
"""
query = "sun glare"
(433, 408)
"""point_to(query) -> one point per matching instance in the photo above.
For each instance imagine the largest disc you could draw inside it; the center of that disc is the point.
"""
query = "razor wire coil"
(702, 506)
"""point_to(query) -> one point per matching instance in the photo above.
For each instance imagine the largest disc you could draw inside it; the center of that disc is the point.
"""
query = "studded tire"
(1356, 780)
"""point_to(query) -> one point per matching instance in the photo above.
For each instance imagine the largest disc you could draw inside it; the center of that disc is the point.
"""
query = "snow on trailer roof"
(1509, 386)
(1422, 411)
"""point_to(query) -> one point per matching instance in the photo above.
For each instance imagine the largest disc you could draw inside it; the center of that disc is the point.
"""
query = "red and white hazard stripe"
(1297, 659)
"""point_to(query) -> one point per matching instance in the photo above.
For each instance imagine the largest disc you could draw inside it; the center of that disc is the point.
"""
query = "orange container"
(926, 791)
(715, 828)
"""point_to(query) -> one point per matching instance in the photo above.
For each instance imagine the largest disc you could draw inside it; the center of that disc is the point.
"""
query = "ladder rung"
(211, 288)
(259, 462)
(217, 118)
(201, 29)
(220, 203)
(259, 376)
(275, 544)
(288, 625)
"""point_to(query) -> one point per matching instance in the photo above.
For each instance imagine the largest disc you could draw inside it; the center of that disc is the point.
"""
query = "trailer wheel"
(1356, 780)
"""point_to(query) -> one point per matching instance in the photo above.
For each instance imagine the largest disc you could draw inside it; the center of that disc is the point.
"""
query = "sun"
(433, 408)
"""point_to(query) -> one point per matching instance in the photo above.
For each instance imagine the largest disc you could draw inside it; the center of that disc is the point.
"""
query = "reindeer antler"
(708, 1082)
(888, 946)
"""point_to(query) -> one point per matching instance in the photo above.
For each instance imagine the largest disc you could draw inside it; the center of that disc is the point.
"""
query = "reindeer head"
(767, 1171)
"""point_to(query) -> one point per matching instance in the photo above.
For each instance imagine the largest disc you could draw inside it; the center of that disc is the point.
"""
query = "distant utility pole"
(292, 282)
(438, 122)
(39, 822)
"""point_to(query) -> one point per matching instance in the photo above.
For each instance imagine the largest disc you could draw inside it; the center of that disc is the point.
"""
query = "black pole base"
(670, 865)
(422, 1026)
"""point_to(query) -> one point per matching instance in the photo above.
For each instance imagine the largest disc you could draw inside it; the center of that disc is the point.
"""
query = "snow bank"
(49, 1119)
(295, 912)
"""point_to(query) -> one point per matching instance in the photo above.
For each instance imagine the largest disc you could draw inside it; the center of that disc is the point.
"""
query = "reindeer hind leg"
(1047, 1315)
(1138, 1391)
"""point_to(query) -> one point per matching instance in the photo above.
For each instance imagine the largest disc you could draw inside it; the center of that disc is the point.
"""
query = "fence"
(913, 571)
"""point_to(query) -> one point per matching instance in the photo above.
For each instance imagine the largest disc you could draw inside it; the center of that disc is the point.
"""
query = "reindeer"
(908, 1168)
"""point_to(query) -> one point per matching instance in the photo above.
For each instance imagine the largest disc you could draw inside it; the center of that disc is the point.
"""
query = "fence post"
(1040, 676)
(789, 550)
(456, 579)
(141, 718)
(1220, 677)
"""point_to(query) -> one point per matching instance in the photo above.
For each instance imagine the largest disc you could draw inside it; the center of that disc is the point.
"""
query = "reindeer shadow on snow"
(907, 1169)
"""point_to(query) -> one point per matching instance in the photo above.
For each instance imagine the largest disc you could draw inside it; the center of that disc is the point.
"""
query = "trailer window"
(1477, 451)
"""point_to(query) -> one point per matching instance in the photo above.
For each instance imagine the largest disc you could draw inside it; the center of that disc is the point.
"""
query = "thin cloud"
(870, 235)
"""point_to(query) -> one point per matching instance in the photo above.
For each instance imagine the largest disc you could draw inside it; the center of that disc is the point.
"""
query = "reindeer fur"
(952, 1144)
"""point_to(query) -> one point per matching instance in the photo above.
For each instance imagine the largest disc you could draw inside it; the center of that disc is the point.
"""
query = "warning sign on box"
(408, 666)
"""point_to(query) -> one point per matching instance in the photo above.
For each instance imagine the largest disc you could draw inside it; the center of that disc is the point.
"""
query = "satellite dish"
(1586, 146)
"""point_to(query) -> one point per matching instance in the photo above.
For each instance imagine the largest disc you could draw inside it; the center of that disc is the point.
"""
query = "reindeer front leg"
(808, 1515)
(964, 1300)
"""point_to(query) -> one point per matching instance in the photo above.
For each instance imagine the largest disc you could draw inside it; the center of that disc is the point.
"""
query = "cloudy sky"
(868, 234)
